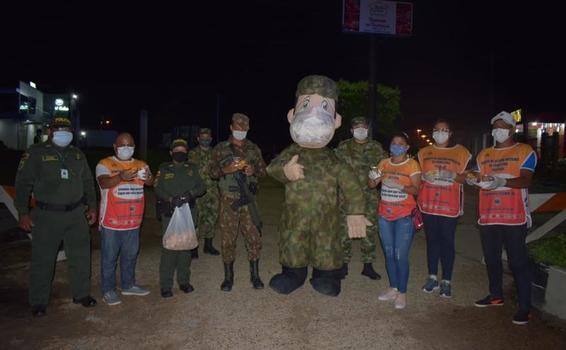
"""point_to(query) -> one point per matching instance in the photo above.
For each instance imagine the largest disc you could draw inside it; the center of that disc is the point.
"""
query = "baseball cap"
(506, 117)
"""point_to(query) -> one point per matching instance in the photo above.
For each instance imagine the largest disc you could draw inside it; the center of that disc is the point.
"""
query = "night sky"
(175, 60)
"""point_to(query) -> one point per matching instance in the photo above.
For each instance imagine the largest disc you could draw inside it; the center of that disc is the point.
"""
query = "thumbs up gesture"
(293, 170)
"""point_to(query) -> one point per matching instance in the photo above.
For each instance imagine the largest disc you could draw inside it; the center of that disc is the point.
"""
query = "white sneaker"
(401, 301)
(388, 294)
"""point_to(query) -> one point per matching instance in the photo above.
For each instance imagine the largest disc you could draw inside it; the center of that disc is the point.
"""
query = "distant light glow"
(75, 96)
(423, 136)
(59, 102)
(534, 123)
(419, 130)
(32, 84)
(83, 133)
(107, 122)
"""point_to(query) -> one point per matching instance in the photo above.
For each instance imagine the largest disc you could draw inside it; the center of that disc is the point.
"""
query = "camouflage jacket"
(202, 158)
(361, 157)
(223, 154)
(312, 203)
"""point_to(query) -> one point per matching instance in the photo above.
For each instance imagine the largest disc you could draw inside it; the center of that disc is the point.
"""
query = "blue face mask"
(62, 138)
(397, 150)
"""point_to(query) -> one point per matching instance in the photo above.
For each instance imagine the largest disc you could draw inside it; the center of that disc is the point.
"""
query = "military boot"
(370, 272)
(228, 277)
(343, 271)
(326, 282)
(209, 248)
(254, 274)
(194, 253)
(289, 279)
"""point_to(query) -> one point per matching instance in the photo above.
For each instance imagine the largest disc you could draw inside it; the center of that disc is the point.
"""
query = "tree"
(353, 102)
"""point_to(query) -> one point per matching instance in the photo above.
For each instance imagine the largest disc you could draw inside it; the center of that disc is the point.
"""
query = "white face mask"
(440, 137)
(360, 134)
(239, 135)
(500, 135)
(312, 128)
(62, 138)
(125, 152)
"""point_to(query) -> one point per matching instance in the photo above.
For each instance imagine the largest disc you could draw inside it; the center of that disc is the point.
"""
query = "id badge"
(64, 174)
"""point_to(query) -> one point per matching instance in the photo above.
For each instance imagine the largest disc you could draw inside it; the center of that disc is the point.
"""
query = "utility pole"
(372, 85)
(143, 135)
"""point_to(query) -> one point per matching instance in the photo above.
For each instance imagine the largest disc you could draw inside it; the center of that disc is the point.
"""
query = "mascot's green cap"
(317, 84)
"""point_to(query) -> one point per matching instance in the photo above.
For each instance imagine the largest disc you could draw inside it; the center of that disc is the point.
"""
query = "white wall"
(9, 133)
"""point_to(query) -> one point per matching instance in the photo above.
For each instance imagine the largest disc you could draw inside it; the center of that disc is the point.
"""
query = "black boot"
(326, 282)
(186, 288)
(289, 279)
(194, 253)
(228, 277)
(39, 310)
(209, 248)
(254, 274)
(343, 271)
(370, 272)
(166, 293)
(87, 301)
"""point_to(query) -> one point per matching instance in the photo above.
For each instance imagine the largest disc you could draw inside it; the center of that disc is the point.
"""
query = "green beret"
(359, 121)
(205, 131)
(179, 142)
(317, 84)
(241, 120)
(61, 122)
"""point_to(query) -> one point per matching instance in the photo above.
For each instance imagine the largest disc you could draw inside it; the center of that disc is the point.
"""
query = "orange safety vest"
(442, 197)
(394, 203)
(504, 205)
(122, 206)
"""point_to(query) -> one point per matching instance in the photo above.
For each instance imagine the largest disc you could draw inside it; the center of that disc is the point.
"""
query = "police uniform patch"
(49, 158)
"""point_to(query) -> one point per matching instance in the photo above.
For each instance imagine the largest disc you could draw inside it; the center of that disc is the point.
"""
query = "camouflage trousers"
(368, 243)
(207, 208)
(320, 249)
(233, 222)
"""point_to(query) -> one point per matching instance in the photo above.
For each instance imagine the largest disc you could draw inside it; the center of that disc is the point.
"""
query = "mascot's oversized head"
(314, 118)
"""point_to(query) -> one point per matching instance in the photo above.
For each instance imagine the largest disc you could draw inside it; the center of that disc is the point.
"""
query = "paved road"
(251, 319)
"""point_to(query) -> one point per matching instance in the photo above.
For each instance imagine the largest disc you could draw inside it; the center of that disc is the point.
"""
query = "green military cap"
(317, 84)
(179, 142)
(205, 131)
(61, 122)
(241, 120)
(359, 121)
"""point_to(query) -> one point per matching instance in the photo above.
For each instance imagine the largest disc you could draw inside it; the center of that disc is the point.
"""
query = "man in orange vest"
(121, 179)
(504, 173)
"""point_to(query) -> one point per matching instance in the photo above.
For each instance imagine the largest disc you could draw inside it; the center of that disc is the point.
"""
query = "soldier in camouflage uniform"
(312, 174)
(176, 183)
(61, 181)
(361, 153)
(238, 159)
(208, 204)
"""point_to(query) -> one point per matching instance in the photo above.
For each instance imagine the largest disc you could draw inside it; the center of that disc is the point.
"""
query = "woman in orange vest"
(400, 178)
(504, 173)
(441, 202)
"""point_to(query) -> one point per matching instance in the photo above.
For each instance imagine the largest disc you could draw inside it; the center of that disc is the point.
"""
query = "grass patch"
(550, 251)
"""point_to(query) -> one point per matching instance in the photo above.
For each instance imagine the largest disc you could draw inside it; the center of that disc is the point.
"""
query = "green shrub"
(551, 251)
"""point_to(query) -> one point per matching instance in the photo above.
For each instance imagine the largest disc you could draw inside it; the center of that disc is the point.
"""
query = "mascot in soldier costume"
(309, 227)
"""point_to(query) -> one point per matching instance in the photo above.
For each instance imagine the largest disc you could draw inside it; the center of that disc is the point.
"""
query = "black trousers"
(493, 238)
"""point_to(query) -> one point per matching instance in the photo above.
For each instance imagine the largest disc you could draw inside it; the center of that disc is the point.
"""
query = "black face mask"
(179, 157)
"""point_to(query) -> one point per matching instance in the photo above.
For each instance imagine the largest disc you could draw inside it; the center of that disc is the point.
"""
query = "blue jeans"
(396, 238)
(114, 243)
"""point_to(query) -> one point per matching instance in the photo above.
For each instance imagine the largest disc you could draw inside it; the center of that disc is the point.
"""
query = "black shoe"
(343, 271)
(370, 272)
(489, 301)
(522, 317)
(166, 293)
(254, 275)
(187, 288)
(209, 248)
(228, 277)
(87, 301)
(39, 310)
(326, 282)
(289, 279)
(194, 253)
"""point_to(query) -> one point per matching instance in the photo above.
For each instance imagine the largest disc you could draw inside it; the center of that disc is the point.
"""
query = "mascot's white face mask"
(313, 121)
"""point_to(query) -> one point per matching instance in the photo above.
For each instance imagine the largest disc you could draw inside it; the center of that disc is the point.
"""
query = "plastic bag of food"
(181, 233)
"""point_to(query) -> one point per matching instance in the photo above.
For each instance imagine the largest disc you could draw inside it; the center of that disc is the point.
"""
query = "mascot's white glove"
(393, 184)
(357, 225)
(293, 170)
(495, 183)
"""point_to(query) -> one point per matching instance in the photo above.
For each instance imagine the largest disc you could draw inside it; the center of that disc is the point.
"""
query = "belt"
(59, 207)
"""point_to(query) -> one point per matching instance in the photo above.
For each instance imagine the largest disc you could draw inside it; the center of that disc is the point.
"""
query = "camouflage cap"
(179, 142)
(359, 121)
(241, 120)
(205, 131)
(61, 122)
(317, 84)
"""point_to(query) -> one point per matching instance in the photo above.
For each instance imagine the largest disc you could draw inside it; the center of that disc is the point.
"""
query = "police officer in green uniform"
(176, 183)
(61, 181)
